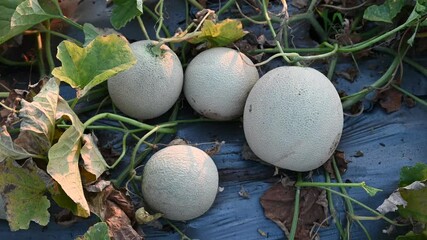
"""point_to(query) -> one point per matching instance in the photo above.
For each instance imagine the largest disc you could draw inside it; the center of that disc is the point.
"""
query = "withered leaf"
(389, 99)
(115, 208)
(278, 204)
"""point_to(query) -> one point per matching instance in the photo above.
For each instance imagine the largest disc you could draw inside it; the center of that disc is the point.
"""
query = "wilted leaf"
(391, 203)
(62, 199)
(416, 201)
(114, 208)
(220, 34)
(93, 161)
(7, 8)
(124, 11)
(8, 149)
(278, 204)
(99, 231)
(102, 58)
(390, 99)
(38, 119)
(63, 157)
(409, 175)
(144, 217)
(385, 12)
(22, 190)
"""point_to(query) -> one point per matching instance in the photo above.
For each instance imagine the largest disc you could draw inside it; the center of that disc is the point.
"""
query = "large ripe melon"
(180, 181)
(293, 118)
(150, 87)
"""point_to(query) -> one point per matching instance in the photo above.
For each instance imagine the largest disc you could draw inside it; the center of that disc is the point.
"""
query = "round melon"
(293, 118)
(150, 87)
(218, 81)
(180, 181)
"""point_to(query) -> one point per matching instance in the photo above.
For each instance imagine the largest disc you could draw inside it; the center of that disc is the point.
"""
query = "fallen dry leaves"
(278, 204)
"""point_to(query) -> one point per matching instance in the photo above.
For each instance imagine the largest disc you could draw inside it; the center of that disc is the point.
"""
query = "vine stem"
(350, 100)
(72, 23)
(332, 208)
(407, 60)
(379, 215)
(295, 217)
(273, 33)
(127, 120)
(48, 48)
(417, 99)
(225, 7)
(15, 63)
(196, 4)
(143, 29)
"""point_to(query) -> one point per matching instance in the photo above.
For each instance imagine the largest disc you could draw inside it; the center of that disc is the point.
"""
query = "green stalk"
(368, 43)
(350, 100)
(156, 19)
(273, 33)
(347, 202)
(407, 60)
(183, 236)
(417, 99)
(15, 63)
(225, 7)
(296, 210)
(125, 120)
(159, 10)
(345, 196)
(143, 29)
(196, 4)
(48, 47)
(332, 208)
(72, 23)
(332, 66)
(4, 94)
(123, 175)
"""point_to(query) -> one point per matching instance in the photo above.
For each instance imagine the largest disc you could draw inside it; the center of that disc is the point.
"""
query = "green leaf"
(22, 189)
(220, 34)
(91, 32)
(32, 12)
(84, 68)
(416, 198)
(414, 236)
(7, 8)
(409, 175)
(124, 11)
(99, 231)
(93, 161)
(63, 157)
(385, 12)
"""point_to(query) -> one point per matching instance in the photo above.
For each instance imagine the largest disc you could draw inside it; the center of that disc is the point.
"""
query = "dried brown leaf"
(278, 204)
(389, 99)
(115, 208)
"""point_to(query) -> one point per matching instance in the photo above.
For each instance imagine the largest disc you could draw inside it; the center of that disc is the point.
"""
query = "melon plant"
(293, 118)
(150, 87)
(218, 81)
(180, 181)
